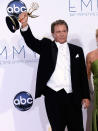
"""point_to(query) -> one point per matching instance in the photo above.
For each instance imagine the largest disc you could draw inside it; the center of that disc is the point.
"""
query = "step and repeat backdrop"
(19, 111)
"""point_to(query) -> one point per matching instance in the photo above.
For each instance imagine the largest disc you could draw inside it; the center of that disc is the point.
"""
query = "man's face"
(60, 33)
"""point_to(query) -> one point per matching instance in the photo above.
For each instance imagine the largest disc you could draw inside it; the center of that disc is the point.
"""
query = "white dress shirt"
(61, 77)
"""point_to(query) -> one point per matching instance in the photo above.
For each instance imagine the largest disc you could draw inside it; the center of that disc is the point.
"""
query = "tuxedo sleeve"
(84, 80)
(32, 42)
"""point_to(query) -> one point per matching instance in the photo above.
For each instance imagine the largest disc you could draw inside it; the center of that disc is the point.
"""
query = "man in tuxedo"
(61, 76)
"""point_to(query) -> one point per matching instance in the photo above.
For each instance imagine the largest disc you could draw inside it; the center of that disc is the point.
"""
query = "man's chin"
(62, 41)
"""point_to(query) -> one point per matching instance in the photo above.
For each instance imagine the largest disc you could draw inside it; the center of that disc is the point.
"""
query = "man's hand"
(86, 103)
(23, 19)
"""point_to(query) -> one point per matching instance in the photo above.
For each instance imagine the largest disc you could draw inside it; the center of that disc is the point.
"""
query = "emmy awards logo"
(15, 8)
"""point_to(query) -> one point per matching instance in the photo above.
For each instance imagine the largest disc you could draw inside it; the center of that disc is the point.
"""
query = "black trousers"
(62, 112)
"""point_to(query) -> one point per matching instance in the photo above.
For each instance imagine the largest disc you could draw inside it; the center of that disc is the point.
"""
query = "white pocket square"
(77, 56)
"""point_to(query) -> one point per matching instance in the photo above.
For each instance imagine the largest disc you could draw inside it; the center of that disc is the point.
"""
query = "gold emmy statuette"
(34, 6)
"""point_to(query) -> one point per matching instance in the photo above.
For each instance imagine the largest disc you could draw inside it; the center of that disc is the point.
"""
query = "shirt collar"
(61, 45)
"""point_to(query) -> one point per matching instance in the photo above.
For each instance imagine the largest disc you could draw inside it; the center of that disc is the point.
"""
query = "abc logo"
(16, 7)
(23, 101)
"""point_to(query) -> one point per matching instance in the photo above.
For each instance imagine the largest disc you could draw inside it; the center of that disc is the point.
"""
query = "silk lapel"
(71, 50)
(71, 54)
(54, 51)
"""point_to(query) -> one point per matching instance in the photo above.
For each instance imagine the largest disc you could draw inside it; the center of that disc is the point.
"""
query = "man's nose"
(62, 33)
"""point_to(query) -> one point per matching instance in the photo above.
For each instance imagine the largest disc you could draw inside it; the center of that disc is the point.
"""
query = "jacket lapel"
(72, 54)
(54, 52)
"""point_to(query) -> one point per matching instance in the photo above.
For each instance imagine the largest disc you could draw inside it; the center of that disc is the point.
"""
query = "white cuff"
(24, 29)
